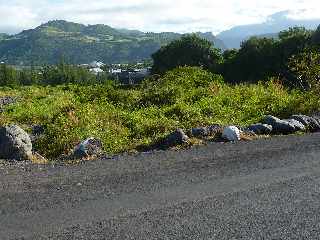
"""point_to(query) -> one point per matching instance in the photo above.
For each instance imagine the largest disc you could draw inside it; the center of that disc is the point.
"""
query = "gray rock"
(199, 132)
(37, 132)
(89, 147)
(231, 133)
(15, 143)
(298, 125)
(316, 117)
(279, 126)
(214, 129)
(175, 138)
(309, 122)
(37, 129)
(260, 128)
(6, 100)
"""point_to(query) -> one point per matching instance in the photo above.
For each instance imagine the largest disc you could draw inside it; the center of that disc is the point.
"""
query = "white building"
(96, 70)
(96, 64)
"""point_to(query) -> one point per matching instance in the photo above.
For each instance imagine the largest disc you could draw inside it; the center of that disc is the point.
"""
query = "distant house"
(94, 67)
(115, 71)
(96, 64)
(96, 70)
(84, 65)
(130, 77)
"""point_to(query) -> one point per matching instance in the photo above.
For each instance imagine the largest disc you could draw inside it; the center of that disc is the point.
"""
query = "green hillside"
(3, 36)
(79, 43)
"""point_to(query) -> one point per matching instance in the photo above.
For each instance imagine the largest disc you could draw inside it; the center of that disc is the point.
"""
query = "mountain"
(268, 35)
(3, 36)
(273, 25)
(79, 43)
(265, 35)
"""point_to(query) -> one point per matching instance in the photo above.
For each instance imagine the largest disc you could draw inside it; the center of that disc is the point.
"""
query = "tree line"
(61, 73)
(293, 58)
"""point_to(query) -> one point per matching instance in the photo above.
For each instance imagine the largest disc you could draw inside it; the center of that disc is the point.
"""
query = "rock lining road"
(263, 189)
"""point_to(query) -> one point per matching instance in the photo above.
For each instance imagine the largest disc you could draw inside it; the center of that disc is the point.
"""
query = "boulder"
(260, 128)
(6, 100)
(214, 129)
(298, 125)
(231, 133)
(37, 129)
(89, 147)
(309, 122)
(199, 132)
(175, 138)
(316, 116)
(36, 132)
(15, 143)
(279, 126)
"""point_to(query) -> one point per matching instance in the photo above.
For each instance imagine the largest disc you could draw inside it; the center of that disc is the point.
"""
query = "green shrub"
(181, 84)
(190, 50)
(127, 118)
(306, 70)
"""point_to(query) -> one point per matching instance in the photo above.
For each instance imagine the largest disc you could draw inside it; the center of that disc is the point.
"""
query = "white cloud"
(151, 15)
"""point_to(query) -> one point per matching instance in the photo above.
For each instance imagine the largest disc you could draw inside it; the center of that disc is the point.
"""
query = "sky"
(151, 15)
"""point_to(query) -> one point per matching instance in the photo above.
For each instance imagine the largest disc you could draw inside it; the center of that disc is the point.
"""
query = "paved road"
(264, 189)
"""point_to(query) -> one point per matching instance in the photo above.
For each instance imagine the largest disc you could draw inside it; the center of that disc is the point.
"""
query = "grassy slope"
(127, 118)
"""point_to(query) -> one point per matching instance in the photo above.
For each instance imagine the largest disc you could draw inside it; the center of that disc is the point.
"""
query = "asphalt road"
(264, 189)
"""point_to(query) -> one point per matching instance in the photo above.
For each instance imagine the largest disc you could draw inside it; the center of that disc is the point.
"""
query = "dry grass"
(36, 158)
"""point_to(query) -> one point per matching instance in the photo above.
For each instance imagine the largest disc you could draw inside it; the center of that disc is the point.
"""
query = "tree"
(261, 58)
(64, 73)
(29, 76)
(8, 76)
(305, 69)
(254, 61)
(190, 50)
(315, 40)
(291, 42)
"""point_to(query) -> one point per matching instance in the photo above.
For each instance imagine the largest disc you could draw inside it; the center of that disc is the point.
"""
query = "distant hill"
(79, 43)
(266, 35)
(3, 36)
(275, 23)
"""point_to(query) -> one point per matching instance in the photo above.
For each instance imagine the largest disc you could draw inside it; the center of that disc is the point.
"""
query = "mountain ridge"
(275, 23)
(79, 43)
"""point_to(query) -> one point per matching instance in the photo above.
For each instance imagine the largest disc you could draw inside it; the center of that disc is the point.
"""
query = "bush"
(125, 119)
(258, 59)
(305, 68)
(181, 84)
(8, 76)
(190, 50)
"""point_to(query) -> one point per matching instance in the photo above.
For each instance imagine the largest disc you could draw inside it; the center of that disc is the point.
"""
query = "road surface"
(263, 189)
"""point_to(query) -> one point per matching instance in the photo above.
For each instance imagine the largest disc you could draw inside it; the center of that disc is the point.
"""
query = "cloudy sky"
(151, 15)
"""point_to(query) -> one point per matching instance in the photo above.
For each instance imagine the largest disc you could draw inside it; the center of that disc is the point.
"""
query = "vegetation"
(127, 118)
(266, 76)
(258, 59)
(261, 58)
(305, 68)
(190, 50)
(79, 43)
(49, 75)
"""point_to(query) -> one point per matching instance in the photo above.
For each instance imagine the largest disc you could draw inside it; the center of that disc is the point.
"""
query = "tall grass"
(126, 118)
